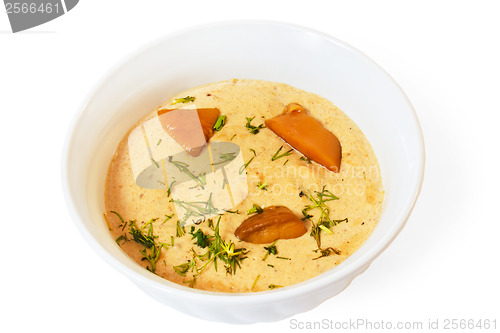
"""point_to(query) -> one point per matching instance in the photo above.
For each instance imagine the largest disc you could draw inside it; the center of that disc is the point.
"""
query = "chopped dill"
(276, 156)
(156, 163)
(244, 166)
(196, 208)
(253, 129)
(167, 217)
(179, 230)
(284, 258)
(255, 282)
(121, 238)
(305, 159)
(274, 286)
(124, 225)
(217, 250)
(326, 252)
(226, 157)
(169, 191)
(262, 186)
(186, 99)
(231, 211)
(182, 269)
(184, 167)
(325, 229)
(324, 223)
(202, 240)
(145, 238)
(270, 265)
(219, 123)
(152, 256)
(271, 249)
(255, 209)
(119, 216)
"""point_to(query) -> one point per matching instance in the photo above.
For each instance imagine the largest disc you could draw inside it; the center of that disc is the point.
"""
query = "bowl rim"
(256, 297)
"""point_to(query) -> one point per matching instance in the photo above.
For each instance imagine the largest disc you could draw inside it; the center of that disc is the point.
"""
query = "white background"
(444, 264)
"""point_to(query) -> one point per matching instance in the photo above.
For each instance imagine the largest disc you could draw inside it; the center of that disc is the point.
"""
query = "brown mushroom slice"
(190, 128)
(275, 222)
(308, 136)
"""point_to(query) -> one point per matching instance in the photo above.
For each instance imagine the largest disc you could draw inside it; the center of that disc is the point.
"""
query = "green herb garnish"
(217, 250)
(253, 129)
(305, 159)
(231, 211)
(145, 236)
(152, 256)
(255, 209)
(179, 230)
(326, 252)
(184, 167)
(324, 223)
(167, 217)
(121, 238)
(244, 166)
(119, 216)
(182, 269)
(138, 235)
(276, 156)
(262, 186)
(255, 282)
(156, 163)
(274, 286)
(169, 190)
(219, 123)
(226, 157)
(202, 240)
(186, 99)
(124, 226)
(196, 208)
(271, 249)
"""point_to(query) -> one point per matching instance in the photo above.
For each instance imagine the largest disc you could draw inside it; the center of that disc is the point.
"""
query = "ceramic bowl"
(271, 51)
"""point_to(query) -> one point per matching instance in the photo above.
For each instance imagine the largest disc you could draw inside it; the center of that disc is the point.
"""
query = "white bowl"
(271, 51)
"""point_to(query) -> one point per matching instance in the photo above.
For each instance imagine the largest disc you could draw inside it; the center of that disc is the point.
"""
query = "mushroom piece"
(308, 136)
(275, 222)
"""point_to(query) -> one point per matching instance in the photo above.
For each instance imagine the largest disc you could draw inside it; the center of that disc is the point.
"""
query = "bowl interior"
(252, 50)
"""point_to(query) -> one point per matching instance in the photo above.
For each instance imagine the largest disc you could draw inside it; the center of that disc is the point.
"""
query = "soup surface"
(174, 203)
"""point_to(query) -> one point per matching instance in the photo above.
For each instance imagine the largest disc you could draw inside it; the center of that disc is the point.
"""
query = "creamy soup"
(206, 191)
